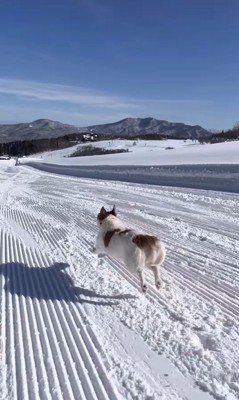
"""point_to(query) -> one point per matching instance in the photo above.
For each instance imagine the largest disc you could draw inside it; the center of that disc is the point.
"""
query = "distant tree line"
(223, 136)
(34, 146)
(28, 147)
(95, 151)
(151, 136)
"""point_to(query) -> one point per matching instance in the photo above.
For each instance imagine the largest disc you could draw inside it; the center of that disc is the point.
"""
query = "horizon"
(96, 62)
(108, 123)
(87, 126)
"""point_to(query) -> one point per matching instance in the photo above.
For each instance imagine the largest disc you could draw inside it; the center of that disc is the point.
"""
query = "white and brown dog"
(136, 250)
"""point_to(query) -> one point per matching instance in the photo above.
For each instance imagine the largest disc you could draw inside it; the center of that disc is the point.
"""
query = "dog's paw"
(144, 288)
(158, 285)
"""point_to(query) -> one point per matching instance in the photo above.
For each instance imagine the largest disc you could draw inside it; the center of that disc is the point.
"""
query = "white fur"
(124, 250)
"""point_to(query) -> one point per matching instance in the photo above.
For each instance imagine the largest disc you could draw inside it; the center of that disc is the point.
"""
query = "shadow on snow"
(51, 283)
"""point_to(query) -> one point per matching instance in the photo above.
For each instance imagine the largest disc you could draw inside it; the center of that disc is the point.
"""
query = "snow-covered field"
(186, 164)
(151, 152)
(77, 327)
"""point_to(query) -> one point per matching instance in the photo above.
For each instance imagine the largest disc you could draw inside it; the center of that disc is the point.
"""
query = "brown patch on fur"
(145, 241)
(108, 236)
(125, 231)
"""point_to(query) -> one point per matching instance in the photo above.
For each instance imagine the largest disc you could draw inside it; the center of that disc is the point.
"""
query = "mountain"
(146, 126)
(128, 127)
(39, 129)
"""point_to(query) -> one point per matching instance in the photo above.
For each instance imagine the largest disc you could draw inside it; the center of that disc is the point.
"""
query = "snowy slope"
(77, 327)
(152, 153)
(171, 162)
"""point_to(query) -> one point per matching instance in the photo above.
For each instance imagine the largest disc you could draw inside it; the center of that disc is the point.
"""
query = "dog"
(137, 251)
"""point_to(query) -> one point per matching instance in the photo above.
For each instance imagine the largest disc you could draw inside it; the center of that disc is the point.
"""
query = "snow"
(151, 152)
(77, 327)
(188, 164)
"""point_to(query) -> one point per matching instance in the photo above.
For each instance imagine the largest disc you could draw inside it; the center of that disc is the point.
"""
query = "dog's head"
(103, 214)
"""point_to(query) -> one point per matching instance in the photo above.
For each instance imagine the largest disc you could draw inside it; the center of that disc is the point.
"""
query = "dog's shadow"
(50, 283)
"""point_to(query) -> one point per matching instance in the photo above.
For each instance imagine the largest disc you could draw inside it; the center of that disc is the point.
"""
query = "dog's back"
(136, 250)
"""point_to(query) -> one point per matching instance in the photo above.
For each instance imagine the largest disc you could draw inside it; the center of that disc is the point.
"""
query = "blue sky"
(94, 61)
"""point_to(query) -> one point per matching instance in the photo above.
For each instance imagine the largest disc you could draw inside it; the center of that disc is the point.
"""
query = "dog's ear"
(102, 214)
(113, 212)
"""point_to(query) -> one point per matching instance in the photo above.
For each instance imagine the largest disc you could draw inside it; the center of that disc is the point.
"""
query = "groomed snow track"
(47, 352)
(74, 327)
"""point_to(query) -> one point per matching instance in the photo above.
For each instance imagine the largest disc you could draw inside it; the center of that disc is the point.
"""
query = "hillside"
(146, 126)
(39, 129)
(151, 153)
(164, 162)
(44, 128)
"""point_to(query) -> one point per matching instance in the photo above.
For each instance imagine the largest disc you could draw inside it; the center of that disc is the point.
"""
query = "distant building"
(89, 137)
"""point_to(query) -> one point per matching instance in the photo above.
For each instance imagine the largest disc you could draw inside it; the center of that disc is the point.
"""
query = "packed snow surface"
(77, 327)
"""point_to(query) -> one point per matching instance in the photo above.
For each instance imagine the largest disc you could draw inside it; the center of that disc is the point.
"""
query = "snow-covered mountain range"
(39, 129)
(44, 128)
(145, 126)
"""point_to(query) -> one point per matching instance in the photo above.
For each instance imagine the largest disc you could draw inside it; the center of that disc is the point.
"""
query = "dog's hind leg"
(142, 280)
(157, 277)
